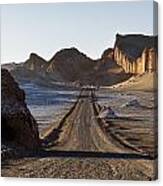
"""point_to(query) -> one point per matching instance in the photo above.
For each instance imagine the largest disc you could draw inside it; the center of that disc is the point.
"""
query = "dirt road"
(81, 135)
(79, 131)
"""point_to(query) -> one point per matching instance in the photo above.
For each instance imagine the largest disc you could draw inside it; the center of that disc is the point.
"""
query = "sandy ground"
(134, 131)
(80, 168)
(137, 133)
(141, 82)
(137, 124)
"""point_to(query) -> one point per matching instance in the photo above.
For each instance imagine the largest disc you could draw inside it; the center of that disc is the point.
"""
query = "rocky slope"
(71, 64)
(18, 125)
(132, 54)
(67, 65)
(107, 71)
(36, 63)
(136, 53)
(33, 69)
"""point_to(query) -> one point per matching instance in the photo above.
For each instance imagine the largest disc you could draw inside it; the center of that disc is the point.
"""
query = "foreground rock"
(18, 125)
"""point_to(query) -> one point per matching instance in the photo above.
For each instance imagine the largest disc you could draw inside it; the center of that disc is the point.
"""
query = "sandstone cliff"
(136, 53)
(18, 125)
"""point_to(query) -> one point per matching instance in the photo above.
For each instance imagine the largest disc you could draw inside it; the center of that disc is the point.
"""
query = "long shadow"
(90, 154)
(126, 118)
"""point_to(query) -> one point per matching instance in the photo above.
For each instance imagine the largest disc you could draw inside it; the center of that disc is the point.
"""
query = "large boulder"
(18, 125)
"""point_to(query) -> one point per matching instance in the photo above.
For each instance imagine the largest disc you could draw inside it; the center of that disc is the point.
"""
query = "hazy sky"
(91, 27)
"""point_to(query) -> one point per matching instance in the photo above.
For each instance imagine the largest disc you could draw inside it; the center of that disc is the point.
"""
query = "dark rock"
(108, 54)
(71, 65)
(18, 125)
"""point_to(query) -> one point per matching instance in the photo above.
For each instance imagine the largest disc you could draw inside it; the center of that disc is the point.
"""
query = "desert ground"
(79, 144)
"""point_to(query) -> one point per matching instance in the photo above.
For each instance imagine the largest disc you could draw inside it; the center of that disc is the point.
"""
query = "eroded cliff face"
(17, 124)
(136, 53)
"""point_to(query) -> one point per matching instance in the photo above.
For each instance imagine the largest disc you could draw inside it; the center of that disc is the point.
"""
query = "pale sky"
(90, 27)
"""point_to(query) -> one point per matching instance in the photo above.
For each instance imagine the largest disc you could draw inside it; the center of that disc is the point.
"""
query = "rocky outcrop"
(36, 63)
(132, 54)
(107, 71)
(108, 54)
(33, 69)
(136, 53)
(17, 124)
(67, 65)
(71, 64)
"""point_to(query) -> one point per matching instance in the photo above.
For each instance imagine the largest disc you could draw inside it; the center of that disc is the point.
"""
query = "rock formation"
(132, 54)
(71, 64)
(108, 54)
(17, 124)
(107, 71)
(136, 53)
(35, 63)
(67, 65)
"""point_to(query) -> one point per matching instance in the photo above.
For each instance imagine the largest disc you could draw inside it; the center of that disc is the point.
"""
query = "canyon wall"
(136, 53)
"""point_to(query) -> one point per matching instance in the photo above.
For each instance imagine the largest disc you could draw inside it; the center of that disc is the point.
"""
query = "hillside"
(71, 65)
(35, 63)
(131, 55)
(68, 66)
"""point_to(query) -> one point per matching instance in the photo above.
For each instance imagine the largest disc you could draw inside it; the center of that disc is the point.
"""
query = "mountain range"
(70, 66)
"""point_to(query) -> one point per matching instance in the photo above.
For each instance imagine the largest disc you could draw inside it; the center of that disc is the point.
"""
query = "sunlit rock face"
(136, 53)
(108, 54)
(18, 125)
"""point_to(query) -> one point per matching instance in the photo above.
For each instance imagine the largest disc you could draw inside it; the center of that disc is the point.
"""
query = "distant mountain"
(131, 54)
(35, 63)
(71, 64)
(68, 66)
